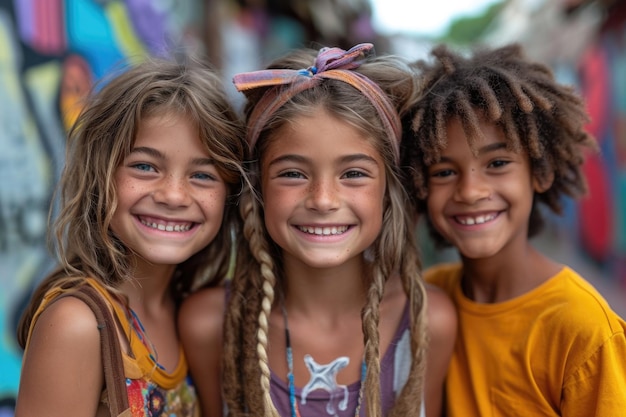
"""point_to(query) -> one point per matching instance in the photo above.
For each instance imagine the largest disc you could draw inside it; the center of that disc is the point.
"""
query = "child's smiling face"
(323, 188)
(170, 193)
(480, 203)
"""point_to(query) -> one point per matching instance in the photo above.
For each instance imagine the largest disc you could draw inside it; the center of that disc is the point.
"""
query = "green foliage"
(470, 29)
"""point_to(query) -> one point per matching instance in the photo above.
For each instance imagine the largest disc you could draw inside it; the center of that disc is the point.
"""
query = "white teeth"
(323, 231)
(476, 220)
(168, 227)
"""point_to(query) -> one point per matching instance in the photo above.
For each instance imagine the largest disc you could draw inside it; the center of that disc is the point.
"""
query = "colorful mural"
(51, 54)
(585, 42)
(602, 217)
(53, 51)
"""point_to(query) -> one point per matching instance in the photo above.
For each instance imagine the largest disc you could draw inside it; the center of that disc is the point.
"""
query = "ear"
(543, 184)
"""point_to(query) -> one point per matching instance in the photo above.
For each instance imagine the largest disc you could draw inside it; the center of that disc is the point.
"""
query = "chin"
(167, 258)
(477, 254)
(324, 263)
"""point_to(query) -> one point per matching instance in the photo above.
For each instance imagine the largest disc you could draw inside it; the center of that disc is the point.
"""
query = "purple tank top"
(394, 368)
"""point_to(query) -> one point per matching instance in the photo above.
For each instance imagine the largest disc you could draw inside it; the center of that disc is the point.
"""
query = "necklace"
(140, 331)
(293, 404)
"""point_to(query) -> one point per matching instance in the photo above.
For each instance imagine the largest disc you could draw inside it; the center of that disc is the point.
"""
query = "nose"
(472, 187)
(322, 195)
(172, 191)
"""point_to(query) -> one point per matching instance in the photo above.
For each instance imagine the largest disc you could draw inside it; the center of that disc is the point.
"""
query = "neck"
(149, 289)
(500, 279)
(331, 290)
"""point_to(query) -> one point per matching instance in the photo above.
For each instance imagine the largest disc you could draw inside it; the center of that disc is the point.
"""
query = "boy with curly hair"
(492, 138)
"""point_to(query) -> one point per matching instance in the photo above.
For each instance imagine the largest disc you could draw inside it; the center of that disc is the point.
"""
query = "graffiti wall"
(601, 75)
(584, 41)
(51, 53)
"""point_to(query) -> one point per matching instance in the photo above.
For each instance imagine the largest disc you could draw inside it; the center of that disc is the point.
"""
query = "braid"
(396, 252)
(237, 315)
(232, 389)
(370, 319)
(392, 252)
(254, 232)
(269, 281)
(407, 404)
(409, 265)
(387, 258)
(245, 359)
(537, 115)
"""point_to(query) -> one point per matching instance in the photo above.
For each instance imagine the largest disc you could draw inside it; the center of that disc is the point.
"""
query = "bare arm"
(62, 368)
(442, 329)
(200, 323)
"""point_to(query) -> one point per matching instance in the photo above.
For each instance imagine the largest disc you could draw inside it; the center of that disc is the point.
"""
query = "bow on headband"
(331, 63)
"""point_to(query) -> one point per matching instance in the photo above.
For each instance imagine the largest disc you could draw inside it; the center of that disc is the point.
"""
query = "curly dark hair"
(501, 85)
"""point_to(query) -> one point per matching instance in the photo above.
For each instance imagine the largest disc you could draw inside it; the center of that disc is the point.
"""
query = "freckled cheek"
(372, 198)
(213, 200)
(278, 199)
(275, 206)
(126, 189)
(126, 184)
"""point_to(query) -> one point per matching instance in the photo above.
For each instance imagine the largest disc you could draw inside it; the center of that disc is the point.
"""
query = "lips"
(323, 231)
(477, 219)
(166, 226)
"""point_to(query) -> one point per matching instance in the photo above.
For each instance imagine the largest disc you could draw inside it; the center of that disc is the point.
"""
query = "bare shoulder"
(67, 320)
(62, 368)
(201, 314)
(200, 325)
(441, 314)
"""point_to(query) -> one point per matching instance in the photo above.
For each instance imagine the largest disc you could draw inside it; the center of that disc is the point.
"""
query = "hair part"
(102, 138)
(537, 115)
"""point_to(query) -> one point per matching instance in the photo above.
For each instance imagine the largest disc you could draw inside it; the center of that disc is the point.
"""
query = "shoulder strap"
(112, 361)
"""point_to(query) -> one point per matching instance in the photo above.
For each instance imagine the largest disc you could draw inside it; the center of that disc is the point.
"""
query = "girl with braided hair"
(492, 138)
(327, 311)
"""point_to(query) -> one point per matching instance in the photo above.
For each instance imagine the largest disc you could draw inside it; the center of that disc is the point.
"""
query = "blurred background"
(52, 52)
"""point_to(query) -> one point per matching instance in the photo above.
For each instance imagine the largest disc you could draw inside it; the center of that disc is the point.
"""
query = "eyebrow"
(154, 153)
(301, 159)
(492, 147)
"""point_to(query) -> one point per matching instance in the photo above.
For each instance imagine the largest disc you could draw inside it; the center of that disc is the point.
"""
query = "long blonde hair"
(101, 138)
(260, 270)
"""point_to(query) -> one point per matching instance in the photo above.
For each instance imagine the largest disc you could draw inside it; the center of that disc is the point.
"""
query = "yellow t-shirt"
(151, 389)
(558, 350)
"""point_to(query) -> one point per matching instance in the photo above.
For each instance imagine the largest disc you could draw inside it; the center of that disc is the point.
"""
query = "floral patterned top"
(152, 391)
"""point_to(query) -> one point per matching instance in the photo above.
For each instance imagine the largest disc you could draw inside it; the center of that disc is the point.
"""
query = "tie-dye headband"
(331, 63)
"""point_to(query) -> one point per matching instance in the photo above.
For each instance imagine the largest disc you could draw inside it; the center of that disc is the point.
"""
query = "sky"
(420, 16)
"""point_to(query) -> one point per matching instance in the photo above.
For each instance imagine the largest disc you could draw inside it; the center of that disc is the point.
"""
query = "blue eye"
(143, 167)
(291, 174)
(354, 174)
(203, 176)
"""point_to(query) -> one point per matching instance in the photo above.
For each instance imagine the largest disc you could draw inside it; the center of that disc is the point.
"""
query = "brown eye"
(499, 163)
(442, 173)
